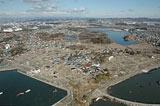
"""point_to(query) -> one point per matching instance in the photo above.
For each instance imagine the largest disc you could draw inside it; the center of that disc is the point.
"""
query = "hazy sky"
(80, 8)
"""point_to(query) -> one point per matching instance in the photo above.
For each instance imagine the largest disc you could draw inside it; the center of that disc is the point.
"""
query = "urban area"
(66, 53)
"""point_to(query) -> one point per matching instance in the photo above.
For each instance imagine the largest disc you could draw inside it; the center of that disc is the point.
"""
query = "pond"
(114, 36)
(18, 89)
(70, 38)
(143, 88)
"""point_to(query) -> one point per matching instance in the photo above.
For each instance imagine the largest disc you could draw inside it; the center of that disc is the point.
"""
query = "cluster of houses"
(152, 37)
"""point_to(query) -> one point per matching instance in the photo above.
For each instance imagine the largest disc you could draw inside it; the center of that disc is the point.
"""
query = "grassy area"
(101, 77)
(132, 52)
(101, 40)
(48, 37)
(78, 47)
(17, 50)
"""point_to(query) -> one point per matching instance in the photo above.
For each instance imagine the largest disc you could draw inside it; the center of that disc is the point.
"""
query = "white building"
(36, 71)
(8, 30)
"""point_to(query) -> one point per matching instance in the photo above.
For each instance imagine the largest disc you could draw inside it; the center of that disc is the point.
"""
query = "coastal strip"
(103, 92)
(8, 68)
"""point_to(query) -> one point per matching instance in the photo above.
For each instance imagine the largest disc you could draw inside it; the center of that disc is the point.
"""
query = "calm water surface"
(144, 88)
(70, 38)
(114, 36)
(12, 83)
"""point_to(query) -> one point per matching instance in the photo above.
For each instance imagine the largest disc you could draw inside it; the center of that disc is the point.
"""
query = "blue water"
(143, 88)
(70, 38)
(12, 83)
(114, 36)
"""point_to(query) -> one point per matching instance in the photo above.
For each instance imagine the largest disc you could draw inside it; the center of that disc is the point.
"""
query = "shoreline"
(7, 69)
(103, 91)
(65, 100)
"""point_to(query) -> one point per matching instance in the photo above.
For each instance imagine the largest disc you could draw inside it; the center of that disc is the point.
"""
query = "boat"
(1, 93)
(27, 91)
(20, 94)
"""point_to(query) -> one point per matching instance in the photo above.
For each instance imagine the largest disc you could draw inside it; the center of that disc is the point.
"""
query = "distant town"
(74, 55)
